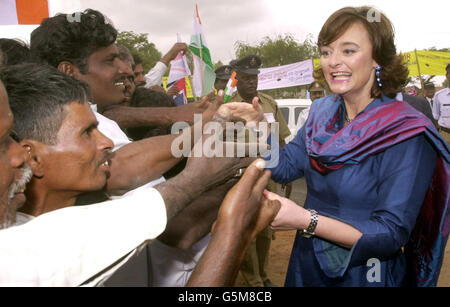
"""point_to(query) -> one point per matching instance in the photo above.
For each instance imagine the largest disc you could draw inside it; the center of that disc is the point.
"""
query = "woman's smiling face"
(347, 63)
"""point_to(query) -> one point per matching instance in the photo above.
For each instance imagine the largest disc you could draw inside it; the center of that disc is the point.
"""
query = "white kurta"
(80, 245)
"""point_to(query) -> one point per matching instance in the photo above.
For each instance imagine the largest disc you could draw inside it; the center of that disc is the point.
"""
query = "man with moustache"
(95, 60)
(86, 51)
(129, 82)
(78, 245)
(14, 173)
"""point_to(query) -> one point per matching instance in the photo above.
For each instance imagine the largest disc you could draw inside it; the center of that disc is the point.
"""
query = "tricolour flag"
(204, 75)
(23, 12)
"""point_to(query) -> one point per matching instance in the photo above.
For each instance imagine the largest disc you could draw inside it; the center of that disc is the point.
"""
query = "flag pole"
(202, 64)
(418, 69)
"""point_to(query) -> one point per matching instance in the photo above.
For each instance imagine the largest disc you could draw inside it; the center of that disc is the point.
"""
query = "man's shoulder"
(444, 91)
(267, 99)
(236, 97)
(414, 99)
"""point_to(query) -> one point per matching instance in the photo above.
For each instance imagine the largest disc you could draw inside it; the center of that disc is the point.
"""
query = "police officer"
(441, 108)
(254, 267)
(316, 91)
(223, 74)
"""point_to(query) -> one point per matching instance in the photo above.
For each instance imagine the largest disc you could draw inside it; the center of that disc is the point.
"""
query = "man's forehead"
(78, 115)
(243, 75)
(110, 50)
(138, 68)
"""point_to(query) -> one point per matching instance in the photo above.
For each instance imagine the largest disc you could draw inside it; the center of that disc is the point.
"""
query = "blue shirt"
(381, 197)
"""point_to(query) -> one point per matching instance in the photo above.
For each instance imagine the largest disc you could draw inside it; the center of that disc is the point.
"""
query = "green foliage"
(218, 64)
(138, 43)
(281, 50)
(434, 49)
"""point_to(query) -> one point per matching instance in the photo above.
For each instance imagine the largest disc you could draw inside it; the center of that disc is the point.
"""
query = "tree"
(281, 50)
(138, 43)
(218, 64)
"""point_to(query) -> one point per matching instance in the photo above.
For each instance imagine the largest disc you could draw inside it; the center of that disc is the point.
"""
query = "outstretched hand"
(250, 114)
(288, 215)
(243, 214)
(244, 210)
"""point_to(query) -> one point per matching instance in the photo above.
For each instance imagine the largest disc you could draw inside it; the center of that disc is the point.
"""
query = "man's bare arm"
(131, 117)
(140, 162)
(243, 214)
(195, 221)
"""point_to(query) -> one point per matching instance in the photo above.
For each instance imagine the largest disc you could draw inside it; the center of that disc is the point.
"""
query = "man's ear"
(34, 159)
(68, 68)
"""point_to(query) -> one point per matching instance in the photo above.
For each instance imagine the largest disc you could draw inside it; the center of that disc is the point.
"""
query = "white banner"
(295, 74)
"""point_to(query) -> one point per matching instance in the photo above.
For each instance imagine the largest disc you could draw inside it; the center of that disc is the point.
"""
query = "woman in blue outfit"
(377, 171)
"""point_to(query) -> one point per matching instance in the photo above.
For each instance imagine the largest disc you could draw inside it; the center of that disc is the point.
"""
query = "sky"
(418, 24)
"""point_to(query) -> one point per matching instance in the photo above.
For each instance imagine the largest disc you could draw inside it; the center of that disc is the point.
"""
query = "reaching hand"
(251, 114)
(244, 210)
(173, 91)
(173, 52)
(289, 214)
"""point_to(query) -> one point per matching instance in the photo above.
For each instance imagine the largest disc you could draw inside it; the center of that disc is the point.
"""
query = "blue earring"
(377, 73)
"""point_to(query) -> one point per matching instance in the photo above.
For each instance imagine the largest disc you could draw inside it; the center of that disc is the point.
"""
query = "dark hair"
(394, 72)
(137, 59)
(14, 51)
(125, 55)
(37, 96)
(144, 97)
(65, 38)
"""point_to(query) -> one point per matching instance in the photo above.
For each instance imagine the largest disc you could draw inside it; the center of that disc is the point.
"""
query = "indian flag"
(23, 12)
(204, 75)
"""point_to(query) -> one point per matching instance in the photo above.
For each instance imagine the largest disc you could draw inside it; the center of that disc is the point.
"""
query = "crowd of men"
(97, 209)
(91, 193)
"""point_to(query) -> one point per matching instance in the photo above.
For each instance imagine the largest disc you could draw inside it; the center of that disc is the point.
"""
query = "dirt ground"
(280, 249)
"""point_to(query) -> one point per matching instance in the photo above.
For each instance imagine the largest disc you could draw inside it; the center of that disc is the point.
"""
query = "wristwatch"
(309, 232)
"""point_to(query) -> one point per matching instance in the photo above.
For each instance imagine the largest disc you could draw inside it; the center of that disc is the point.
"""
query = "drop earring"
(377, 73)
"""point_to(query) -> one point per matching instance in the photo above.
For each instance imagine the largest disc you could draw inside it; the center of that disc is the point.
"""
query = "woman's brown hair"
(394, 73)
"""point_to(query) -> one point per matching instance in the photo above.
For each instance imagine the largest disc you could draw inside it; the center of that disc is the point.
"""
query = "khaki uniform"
(254, 266)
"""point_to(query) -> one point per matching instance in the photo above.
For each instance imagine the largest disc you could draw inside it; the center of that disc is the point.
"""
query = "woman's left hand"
(290, 216)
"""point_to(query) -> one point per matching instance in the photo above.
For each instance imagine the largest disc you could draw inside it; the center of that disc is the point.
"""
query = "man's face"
(79, 161)
(429, 92)
(247, 85)
(14, 174)
(316, 95)
(220, 84)
(130, 86)
(139, 77)
(106, 75)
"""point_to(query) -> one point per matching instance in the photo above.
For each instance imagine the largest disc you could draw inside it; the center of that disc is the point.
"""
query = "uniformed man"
(316, 90)
(254, 267)
(429, 91)
(223, 74)
(441, 108)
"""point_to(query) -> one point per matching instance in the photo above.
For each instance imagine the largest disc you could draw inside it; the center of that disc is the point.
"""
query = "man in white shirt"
(78, 245)
(441, 108)
(155, 75)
